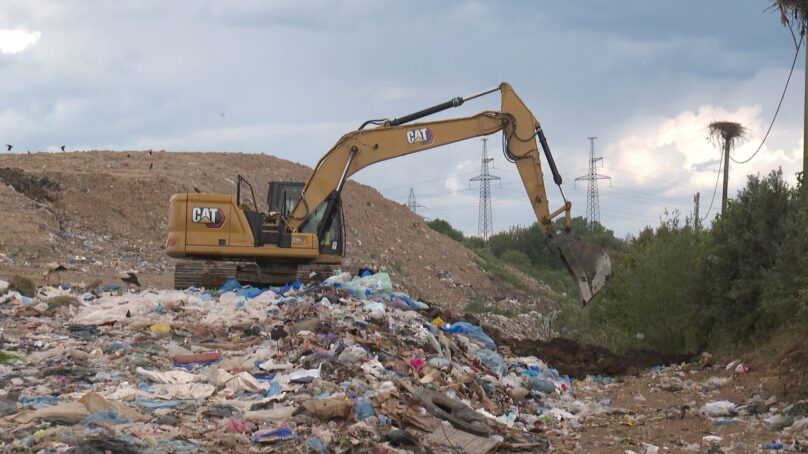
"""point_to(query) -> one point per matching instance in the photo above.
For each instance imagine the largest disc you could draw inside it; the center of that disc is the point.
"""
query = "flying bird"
(62, 147)
(9, 147)
(53, 267)
(130, 278)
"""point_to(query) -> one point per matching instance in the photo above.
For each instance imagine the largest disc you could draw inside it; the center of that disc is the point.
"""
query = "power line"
(614, 169)
(778, 106)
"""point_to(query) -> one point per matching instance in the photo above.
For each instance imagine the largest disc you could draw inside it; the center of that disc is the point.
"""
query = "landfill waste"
(719, 408)
(346, 365)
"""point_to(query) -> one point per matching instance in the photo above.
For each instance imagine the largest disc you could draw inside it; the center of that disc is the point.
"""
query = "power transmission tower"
(412, 204)
(485, 222)
(591, 178)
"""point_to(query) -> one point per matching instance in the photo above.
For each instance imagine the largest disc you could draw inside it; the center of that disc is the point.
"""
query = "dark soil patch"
(570, 357)
(579, 360)
(41, 189)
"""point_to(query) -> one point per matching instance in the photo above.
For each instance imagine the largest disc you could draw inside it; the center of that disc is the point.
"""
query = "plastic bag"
(719, 408)
(491, 359)
(230, 285)
(440, 362)
(375, 284)
(273, 435)
(363, 409)
(352, 355)
(473, 331)
(542, 384)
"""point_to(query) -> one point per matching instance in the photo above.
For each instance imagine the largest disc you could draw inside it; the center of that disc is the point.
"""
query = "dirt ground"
(648, 411)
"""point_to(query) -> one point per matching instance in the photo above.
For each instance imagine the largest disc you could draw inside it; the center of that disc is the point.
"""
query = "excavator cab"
(325, 221)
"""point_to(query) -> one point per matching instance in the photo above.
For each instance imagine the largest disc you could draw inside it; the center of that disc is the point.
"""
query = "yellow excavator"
(226, 236)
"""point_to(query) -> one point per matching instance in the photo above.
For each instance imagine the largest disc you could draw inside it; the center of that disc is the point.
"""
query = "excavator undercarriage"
(214, 273)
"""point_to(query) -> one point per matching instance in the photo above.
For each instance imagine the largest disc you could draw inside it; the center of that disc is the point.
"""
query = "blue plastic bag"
(472, 331)
(542, 384)
(230, 285)
(38, 402)
(273, 435)
(491, 359)
(106, 416)
(363, 409)
(249, 292)
(154, 404)
(274, 389)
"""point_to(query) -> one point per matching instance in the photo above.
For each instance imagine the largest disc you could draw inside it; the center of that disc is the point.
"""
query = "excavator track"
(214, 273)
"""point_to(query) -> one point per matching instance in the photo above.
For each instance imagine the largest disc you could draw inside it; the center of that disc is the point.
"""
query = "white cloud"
(16, 41)
(663, 161)
(677, 149)
(453, 183)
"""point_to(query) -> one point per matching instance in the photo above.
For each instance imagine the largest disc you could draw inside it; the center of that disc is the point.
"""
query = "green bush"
(757, 260)
(653, 298)
(517, 258)
(439, 225)
(738, 283)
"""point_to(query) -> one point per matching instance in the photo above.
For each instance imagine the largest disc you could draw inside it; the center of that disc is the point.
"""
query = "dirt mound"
(111, 213)
(579, 360)
(782, 361)
(39, 188)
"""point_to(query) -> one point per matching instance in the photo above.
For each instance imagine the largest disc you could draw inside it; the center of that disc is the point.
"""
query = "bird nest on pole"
(726, 132)
(796, 10)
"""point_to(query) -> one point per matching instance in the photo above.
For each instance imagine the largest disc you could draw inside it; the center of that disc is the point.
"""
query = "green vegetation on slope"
(677, 288)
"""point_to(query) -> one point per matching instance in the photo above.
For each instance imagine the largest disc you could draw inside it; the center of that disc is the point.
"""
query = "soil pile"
(102, 211)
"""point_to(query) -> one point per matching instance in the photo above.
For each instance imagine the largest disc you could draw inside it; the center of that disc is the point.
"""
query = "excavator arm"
(389, 139)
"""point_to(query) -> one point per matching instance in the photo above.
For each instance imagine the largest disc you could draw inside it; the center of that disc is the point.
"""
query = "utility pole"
(805, 111)
(696, 218)
(727, 145)
(485, 221)
(591, 178)
(725, 134)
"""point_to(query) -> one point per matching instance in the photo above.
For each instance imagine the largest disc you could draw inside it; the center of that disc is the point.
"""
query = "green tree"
(653, 298)
(758, 238)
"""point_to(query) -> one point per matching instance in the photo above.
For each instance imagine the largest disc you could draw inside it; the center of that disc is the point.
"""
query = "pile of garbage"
(335, 366)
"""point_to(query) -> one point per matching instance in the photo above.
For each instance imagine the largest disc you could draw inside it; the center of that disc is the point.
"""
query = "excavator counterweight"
(302, 225)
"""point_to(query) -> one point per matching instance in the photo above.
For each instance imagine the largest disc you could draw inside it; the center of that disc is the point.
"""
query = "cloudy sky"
(289, 77)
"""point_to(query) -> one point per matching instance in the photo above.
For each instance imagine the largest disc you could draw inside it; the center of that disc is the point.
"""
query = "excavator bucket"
(589, 264)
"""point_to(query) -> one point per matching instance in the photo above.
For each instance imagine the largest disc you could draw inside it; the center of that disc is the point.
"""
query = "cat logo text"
(420, 136)
(212, 218)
